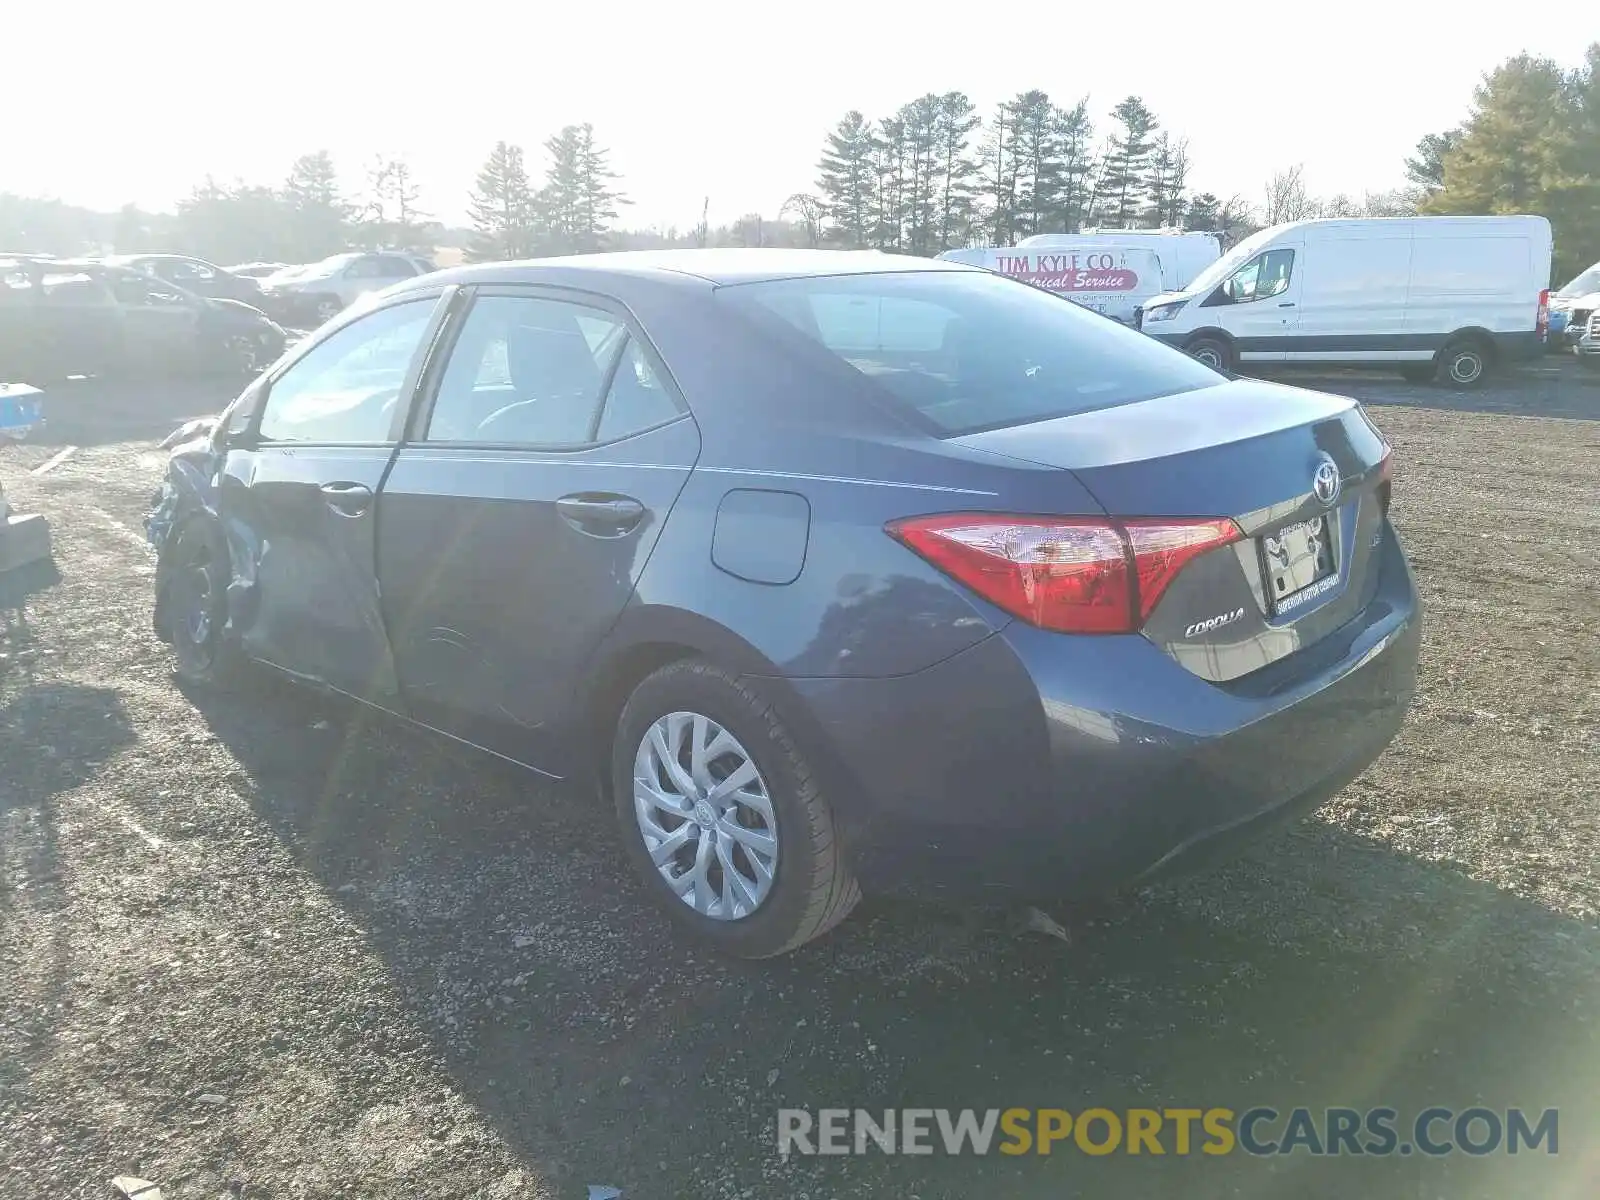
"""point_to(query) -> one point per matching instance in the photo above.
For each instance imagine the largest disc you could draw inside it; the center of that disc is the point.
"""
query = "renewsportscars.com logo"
(1259, 1131)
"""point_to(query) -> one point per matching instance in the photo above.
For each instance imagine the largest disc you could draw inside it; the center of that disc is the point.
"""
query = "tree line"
(309, 216)
(935, 174)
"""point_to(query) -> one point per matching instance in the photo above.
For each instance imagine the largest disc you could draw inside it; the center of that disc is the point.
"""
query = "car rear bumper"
(1035, 765)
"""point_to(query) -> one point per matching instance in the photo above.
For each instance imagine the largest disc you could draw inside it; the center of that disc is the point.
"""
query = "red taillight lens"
(1385, 481)
(1068, 574)
(1544, 313)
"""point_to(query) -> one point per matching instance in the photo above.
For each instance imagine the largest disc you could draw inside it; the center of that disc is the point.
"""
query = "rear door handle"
(350, 499)
(1286, 304)
(602, 514)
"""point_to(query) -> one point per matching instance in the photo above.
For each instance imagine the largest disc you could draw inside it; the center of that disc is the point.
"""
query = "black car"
(193, 275)
(64, 317)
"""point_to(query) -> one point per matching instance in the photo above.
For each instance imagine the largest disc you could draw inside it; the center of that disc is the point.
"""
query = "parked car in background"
(192, 275)
(63, 317)
(1449, 298)
(1587, 344)
(318, 292)
(736, 534)
(1114, 283)
(1183, 255)
(1571, 307)
(258, 270)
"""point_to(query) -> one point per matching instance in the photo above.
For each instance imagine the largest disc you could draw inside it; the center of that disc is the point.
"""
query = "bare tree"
(1287, 198)
(809, 212)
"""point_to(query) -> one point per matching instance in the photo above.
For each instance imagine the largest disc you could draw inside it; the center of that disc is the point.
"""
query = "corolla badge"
(1325, 481)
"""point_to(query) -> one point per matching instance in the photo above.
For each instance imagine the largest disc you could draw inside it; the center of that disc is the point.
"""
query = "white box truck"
(1183, 255)
(1114, 283)
(1438, 297)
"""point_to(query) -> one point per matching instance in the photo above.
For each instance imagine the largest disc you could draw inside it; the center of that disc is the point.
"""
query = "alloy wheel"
(706, 816)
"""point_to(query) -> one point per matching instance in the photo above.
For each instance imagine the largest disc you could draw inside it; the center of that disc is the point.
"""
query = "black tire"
(1418, 372)
(1214, 352)
(1465, 364)
(194, 581)
(812, 889)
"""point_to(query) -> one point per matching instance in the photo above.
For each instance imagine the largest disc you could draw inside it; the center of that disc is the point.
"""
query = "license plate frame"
(1296, 559)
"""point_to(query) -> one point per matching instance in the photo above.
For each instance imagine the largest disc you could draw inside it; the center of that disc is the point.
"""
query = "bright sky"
(138, 101)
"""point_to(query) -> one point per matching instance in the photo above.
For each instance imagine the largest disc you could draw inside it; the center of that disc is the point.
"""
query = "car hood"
(1590, 301)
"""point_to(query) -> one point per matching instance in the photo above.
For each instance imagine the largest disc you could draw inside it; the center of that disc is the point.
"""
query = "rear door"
(521, 509)
(161, 322)
(299, 499)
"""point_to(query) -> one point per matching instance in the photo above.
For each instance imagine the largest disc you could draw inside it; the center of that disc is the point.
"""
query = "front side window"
(345, 389)
(1264, 276)
(970, 350)
(526, 370)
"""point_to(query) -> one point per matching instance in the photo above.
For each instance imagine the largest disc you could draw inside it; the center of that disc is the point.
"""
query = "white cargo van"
(1446, 297)
(1114, 283)
(1183, 255)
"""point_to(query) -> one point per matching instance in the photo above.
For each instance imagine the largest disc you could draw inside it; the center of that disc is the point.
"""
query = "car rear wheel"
(194, 602)
(1464, 364)
(1214, 352)
(722, 816)
(327, 308)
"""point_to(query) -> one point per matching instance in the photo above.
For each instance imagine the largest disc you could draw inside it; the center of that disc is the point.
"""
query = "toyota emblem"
(1325, 482)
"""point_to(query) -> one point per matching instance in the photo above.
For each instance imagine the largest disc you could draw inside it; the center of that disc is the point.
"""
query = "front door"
(299, 501)
(520, 511)
(1259, 305)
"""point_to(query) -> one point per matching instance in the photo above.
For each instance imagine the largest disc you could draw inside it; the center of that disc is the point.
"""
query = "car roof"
(720, 266)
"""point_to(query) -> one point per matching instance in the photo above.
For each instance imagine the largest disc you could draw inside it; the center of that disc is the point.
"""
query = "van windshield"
(965, 351)
(1230, 262)
(1588, 282)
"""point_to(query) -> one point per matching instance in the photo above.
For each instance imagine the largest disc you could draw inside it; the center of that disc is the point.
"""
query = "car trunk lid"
(1303, 475)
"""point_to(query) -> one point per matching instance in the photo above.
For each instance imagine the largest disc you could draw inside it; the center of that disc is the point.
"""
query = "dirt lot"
(271, 950)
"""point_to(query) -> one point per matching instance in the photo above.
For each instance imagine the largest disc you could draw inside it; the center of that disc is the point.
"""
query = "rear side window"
(966, 351)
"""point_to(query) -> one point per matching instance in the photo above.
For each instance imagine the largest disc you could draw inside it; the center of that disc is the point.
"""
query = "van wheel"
(1464, 364)
(1214, 352)
(722, 816)
(1418, 372)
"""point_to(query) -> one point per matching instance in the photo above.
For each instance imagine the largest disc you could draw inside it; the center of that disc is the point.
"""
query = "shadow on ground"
(1321, 971)
(1559, 387)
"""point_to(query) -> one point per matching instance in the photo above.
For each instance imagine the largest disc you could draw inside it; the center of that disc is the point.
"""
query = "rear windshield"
(969, 350)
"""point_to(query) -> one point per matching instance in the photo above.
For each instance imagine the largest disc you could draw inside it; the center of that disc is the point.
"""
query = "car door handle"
(601, 514)
(1286, 304)
(350, 499)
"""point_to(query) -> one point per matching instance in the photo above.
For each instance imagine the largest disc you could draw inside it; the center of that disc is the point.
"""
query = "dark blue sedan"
(835, 571)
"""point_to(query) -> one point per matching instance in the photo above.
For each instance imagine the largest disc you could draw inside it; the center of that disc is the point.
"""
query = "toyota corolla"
(831, 571)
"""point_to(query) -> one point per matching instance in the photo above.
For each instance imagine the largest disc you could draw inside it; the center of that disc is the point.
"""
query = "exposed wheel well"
(1216, 335)
(1481, 338)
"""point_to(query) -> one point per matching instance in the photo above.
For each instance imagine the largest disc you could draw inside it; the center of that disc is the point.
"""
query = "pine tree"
(316, 216)
(847, 182)
(954, 169)
(1124, 178)
(1037, 124)
(1001, 174)
(1203, 213)
(504, 215)
(577, 198)
(1425, 168)
(1077, 163)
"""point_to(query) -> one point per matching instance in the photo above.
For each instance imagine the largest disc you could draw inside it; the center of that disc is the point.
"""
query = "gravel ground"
(273, 949)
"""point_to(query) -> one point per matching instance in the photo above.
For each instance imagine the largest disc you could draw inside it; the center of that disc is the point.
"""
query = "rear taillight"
(1544, 314)
(1068, 574)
